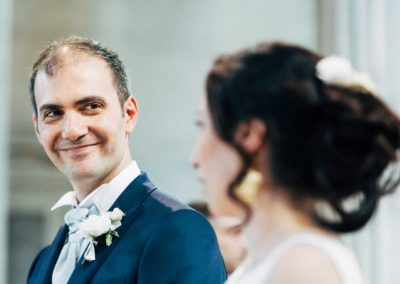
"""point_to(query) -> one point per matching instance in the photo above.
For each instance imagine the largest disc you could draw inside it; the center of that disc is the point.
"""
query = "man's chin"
(79, 174)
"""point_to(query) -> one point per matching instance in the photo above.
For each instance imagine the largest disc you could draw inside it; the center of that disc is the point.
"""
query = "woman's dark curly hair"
(325, 142)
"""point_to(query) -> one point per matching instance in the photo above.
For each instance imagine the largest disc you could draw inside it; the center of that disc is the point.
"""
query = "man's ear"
(131, 112)
(250, 135)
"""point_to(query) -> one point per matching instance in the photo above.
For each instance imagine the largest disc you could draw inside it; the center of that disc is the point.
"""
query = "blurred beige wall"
(167, 47)
(5, 89)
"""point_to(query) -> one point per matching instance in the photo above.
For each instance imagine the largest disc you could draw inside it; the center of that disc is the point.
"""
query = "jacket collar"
(130, 202)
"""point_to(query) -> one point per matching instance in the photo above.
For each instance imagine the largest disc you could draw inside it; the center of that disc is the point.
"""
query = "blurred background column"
(5, 88)
(367, 32)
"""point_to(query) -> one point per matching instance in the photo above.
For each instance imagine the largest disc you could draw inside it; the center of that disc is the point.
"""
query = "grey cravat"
(75, 245)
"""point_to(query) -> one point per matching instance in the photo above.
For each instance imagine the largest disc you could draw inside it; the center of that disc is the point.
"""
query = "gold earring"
(248, 188)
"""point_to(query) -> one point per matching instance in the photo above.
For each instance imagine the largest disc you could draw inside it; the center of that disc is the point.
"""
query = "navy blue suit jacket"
(161, 241)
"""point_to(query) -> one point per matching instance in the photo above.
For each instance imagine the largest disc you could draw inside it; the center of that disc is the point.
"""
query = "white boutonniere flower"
(337, 71)
(100, 228)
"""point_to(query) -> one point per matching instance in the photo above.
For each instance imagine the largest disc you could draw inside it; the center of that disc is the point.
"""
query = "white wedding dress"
(344, 260)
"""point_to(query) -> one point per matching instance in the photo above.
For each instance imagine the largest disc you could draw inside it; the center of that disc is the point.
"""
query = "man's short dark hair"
(52, 60)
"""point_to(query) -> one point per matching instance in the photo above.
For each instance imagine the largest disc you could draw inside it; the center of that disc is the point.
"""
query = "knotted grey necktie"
(74, 247)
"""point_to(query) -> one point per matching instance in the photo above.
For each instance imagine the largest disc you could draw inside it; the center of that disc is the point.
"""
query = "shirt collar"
(106, 194)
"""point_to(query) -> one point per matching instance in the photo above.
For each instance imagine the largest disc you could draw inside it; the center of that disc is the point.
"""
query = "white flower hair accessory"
(338, 71)
(100, 228)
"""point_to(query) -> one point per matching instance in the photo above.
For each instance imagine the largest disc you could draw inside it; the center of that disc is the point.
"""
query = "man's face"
(80, 122)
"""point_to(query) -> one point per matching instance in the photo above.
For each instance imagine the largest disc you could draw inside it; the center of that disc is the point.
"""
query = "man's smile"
(77, 147)
(78, 151)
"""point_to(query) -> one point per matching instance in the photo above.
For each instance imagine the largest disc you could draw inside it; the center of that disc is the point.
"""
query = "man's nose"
(74, 127)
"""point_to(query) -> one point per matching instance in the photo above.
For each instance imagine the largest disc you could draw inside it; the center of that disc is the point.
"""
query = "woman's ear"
(250, 135)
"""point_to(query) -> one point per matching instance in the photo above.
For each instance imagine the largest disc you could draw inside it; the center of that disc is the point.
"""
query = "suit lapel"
(130, 202)
(51, 258)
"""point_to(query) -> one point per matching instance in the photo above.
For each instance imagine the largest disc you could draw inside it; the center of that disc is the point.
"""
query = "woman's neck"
(274, 219)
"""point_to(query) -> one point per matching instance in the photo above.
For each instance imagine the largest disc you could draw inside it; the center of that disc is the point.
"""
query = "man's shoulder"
(161, 199)
(151, 196)
(162, 208)
(158, 208)
(178, 232)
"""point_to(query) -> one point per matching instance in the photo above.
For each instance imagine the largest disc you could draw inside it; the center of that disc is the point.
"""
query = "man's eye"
(93, 106)
(52, 113)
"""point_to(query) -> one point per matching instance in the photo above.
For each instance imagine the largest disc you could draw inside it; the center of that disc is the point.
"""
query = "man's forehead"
(42, 78)
(71, 62)
(85, 77)
(66, 49)
(67, 57)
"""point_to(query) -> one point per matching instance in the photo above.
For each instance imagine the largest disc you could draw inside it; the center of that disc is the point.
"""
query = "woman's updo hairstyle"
(326, 141)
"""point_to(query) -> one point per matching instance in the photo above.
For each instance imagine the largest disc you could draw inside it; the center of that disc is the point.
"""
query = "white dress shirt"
(106, 194)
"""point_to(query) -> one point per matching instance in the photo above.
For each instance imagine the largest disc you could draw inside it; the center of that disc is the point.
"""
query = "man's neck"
(84, 187)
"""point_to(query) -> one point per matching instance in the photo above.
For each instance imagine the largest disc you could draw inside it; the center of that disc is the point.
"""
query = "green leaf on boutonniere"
(109, 239)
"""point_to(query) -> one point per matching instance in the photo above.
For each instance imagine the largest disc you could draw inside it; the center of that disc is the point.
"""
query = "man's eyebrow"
(89, 99)
(50, 106)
